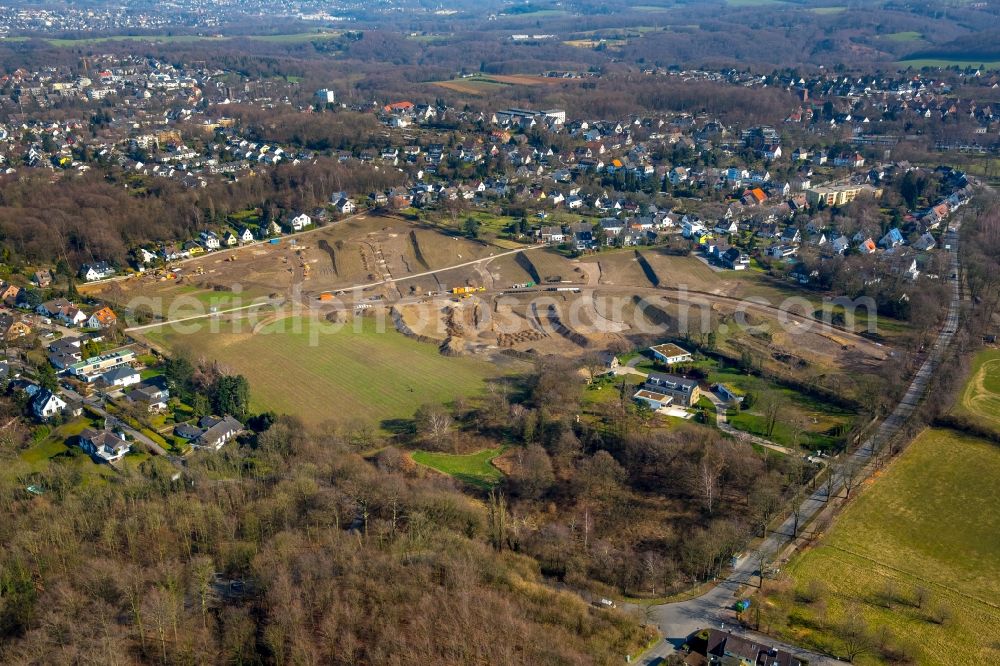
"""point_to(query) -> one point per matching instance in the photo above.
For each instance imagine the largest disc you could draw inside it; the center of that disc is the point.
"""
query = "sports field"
(930, 522)
(980, 400)
(343, 374)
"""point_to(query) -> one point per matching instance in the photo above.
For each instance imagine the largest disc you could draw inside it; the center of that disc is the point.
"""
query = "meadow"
(476, 469)
(324, 373)
(980, 399)
(916, 557)
(945, 62)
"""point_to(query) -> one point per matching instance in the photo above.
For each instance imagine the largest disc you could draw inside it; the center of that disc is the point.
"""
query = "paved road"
(678, 620)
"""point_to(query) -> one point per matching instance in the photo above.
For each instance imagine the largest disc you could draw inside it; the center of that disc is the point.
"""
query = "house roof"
(668, 379)
(121, 372)
(669, 350)
(646, 394)
(105, 315)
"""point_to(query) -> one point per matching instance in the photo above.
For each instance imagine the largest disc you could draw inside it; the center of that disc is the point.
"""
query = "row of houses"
(71, 315)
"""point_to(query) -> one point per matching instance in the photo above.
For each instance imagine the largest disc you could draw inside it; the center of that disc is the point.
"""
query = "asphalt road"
(677, 621)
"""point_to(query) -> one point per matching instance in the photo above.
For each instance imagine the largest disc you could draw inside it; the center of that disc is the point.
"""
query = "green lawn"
(54, 446)
(980, 399)
(476, 469)
(930, 521)
(821, 420)
(321, 373)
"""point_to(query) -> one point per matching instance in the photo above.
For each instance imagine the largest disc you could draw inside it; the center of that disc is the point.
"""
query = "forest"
(92, 217)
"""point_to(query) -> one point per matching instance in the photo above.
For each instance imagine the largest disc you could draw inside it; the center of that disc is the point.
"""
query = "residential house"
(725, 648)
(692, 229)
(729, 393)
(726, 227)
(12, 329)
(867, 246)
(670, 353)
(925, 242)
(42, 278)
(153, 392)
(99, 271)
(791, 235)
(892, 238)
(187, 431)
(47, 404)
(654, 399)
(64, 352)
(679, 389)
(246, 236)
(300, 222)
(584, 239)
(345, 206)
(210, 240)
(10, 293)
(609, 360)
(552, 235)
(782, 251)
(72, 316)
(734, 259)
(93, 368)
(53, 307)
(216, 432)
(104, 445)
(840, 244)
(121, 376)
(102, 318)
(229, 239)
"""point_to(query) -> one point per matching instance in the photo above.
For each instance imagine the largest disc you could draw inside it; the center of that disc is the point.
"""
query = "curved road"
(679, 620)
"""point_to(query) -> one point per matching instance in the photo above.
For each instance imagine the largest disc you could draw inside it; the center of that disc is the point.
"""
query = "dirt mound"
(452, 346)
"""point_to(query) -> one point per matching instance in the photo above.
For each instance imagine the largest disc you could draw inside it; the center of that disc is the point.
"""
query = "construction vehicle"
(467, 290)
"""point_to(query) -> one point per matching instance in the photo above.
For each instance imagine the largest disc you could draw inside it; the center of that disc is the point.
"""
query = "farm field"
(483, 84)
(980, 400)
(476, 469)
(320, 373)
(947, 62)
(930, 522)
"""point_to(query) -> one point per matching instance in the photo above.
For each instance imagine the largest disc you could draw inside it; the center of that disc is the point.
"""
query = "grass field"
(905, 36)
(476, 469)
(299, 366)
(482, 84)
(980, 400)
(818, 422)
(931, 521)
(940, 62)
